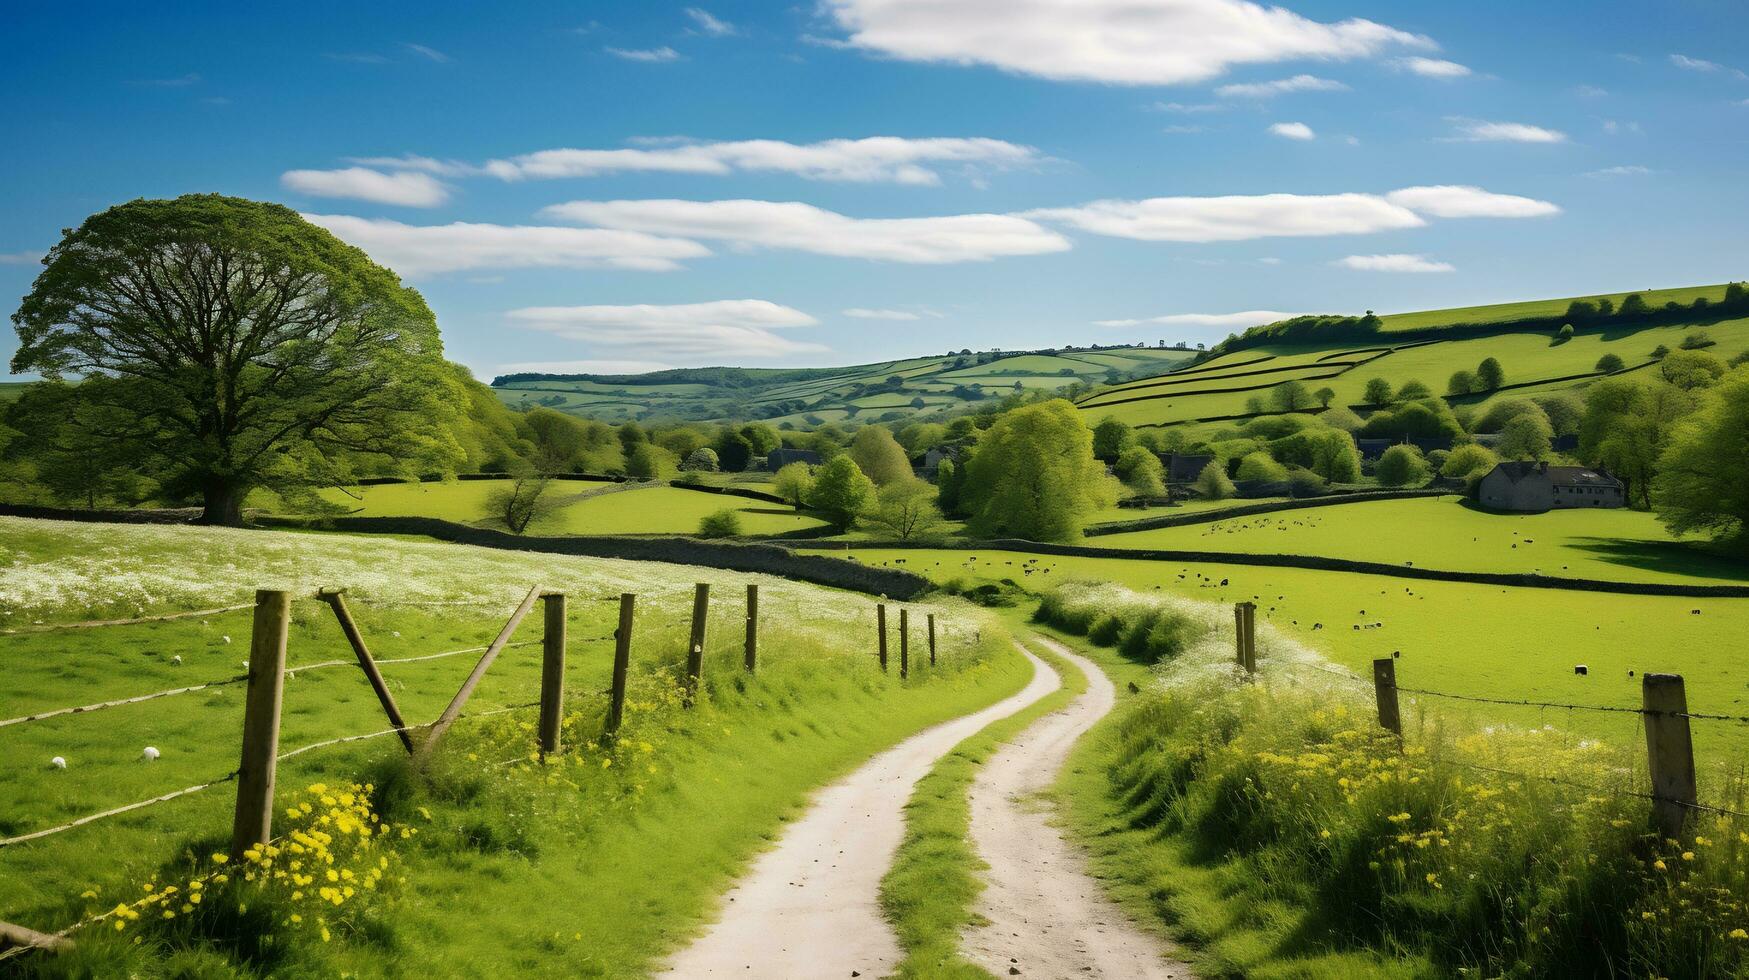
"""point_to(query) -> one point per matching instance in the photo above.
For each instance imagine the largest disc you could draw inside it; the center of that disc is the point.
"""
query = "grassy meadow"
(1510, 643)
(1449, 534)
(577, 508)
(640, 834)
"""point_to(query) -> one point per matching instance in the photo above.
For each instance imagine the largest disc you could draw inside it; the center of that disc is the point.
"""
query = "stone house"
(777, 459)
(1534, 487)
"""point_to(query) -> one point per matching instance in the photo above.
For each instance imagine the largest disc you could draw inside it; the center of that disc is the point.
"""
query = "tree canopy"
(879, 455)
(244, 347)
(1034, 475)
(1703, 479)
(841, 492)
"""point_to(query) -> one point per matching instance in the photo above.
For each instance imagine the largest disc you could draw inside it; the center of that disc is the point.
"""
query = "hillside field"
(638, 835)
(1448, 534)
(804, 398)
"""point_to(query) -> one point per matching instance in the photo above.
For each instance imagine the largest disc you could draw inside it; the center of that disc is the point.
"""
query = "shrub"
(1142, 630)
(1564, 334)
(1402, 466)
(1610, 363)
(725, 523)
(1697, 340)
(701, 460)
(1213, 483)
(1468, 459)
(1302, 482)
(1261, 467)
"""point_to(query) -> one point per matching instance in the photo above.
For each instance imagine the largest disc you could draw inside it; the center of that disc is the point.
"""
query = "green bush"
(1143, 631)
(725, 523)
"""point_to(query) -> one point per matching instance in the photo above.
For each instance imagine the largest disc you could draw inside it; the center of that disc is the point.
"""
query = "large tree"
(1034, 476)
(880, 456)
(247, 347)
(1703, 483)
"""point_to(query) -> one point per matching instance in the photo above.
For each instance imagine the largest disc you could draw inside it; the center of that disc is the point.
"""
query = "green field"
(1447, 534)
(637, 837)
(1472, 639)
(1499, 312)
(581, 508)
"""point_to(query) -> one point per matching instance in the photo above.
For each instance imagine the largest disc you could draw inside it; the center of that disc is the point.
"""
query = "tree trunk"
(223, 503)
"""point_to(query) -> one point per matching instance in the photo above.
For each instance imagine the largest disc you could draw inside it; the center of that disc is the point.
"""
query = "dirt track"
(1046, 916)
(810, 907)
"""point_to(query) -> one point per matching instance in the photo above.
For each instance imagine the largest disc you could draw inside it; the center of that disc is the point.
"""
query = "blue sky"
(581, 186)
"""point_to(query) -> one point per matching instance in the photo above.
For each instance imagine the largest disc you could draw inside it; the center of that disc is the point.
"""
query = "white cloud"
(659, 55)
(1630, 170)
(1432, 67)
(872, 159)
(1590, 92)
(20, 258)
(1463, 201)
(1180, 130)
(407, 188)
(1293, 131)
(1187, 107)
(608, 366)
(429, 53)
(1482, 131)
(413, 250)
(1235, 218)
(1702, 65)
(1614, 128)
(731, 328)
(704, 23)
(803, 227)
(1233, 321)
(1125, 42)
(1395, 263)
(862, 313)
(1281, 86)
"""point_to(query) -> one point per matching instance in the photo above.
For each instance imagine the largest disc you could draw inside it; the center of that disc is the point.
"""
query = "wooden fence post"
(622, 657)
(1384, 682)
(904, 643)
(881, 628)
(1245, 635)
(336, 599)
(253, 823)
(552, 672)
(1669, 751)
(752, 655)
(701, 607)
(931, 639)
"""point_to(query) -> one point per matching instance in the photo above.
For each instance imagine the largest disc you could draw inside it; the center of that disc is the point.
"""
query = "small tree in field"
(1402, 466)
(520, 501)
(1378, 392)
(793, 482)
(725, 523)
(879, 455)
(906, 510)
(648, 461)
(1141, 471)
(1261, 467)
(1291, 396)
(1525, 437)
(1111, 437)
(1467, 460)
(1489, 374)
(841, 492)
(1325, 396)
(1034, 475)
(246, 346)
(1461, 383)
(1610, 363)
(1213, 483)
(700, 460)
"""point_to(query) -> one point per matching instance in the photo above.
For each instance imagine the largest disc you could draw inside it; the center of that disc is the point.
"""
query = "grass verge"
(929, 892)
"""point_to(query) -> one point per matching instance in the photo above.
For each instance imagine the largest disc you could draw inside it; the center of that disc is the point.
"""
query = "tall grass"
(1509, 852)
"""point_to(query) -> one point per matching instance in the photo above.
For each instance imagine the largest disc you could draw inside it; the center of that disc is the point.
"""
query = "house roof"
(1560, 476)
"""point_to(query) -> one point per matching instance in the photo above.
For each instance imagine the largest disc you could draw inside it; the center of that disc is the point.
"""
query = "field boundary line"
(1308, 562)
(1251, 510)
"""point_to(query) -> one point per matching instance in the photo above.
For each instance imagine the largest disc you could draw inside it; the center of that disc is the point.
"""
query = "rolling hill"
(806, 397)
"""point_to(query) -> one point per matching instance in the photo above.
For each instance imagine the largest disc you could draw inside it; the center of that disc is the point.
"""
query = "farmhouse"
(1184, 467)
(777, 459)
(1534, 487)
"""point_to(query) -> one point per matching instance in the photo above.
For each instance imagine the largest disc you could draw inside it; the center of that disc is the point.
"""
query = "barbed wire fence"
(1662, 716)
(267, 672)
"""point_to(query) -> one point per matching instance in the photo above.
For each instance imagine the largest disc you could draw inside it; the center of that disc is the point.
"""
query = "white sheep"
(176, 659)
(58, 762)
(150, 754)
